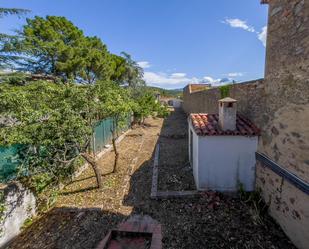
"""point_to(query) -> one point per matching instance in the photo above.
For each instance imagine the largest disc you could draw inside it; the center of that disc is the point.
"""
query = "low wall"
(19, 205)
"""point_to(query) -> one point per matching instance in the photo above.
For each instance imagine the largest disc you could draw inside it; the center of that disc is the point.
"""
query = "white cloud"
(263, 35)
(215, 82)
(144, 64)
(237, 23)
(178, 75)
(178, 80)
(236, 74)
(208, 79)
(154, 78)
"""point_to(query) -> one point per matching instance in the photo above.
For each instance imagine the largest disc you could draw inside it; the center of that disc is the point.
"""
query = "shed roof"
(208, 125)
(228, 99)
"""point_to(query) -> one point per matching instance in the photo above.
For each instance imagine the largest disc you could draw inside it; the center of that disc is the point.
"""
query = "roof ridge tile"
(206, 124)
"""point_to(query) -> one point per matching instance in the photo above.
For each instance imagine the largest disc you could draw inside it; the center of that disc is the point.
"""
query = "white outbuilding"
(176, 103)
(222, 149)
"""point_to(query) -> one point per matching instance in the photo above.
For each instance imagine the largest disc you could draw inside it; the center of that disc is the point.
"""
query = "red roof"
(208, 125)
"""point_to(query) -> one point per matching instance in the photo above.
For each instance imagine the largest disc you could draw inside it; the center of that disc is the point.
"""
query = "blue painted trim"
(293, 179)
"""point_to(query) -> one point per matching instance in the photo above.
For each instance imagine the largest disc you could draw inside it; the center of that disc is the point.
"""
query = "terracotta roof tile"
(208, 125)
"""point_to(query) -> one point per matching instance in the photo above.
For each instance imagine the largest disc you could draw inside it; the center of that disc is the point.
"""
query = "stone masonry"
(285, 120)
(247, 94)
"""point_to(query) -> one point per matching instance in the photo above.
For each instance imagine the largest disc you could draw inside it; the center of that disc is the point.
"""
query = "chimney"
(227, 114)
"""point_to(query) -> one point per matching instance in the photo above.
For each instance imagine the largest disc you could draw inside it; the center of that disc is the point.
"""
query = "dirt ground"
(175, 173)
(84, 214)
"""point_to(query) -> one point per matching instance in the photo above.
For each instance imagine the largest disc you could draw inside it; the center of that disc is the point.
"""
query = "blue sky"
(176, 41)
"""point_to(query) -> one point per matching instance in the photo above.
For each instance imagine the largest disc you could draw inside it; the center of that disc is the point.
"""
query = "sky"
(176, 41)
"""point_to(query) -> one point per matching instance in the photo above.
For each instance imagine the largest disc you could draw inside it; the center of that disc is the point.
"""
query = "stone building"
(285, 120)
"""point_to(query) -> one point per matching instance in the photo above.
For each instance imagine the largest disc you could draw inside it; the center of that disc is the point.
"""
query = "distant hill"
(173, 93)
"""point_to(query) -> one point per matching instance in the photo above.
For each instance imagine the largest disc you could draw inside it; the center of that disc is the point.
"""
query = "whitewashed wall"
(195, 154)
(224, 162)
(177, 103)
(19, 205)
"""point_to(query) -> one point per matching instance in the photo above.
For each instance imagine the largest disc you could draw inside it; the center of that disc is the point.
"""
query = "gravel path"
(84, 214)
(175, 173)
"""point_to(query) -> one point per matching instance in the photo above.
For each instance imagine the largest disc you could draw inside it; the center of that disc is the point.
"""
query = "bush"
(16, 79)
(163, 111)
(225, 91)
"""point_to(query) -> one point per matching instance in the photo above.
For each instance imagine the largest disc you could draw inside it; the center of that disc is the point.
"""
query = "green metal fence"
(9, 161)
(103, 132)
(10, 158)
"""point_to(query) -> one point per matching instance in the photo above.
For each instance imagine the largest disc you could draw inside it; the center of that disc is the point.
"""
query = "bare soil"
(83, 214)
(175, 173)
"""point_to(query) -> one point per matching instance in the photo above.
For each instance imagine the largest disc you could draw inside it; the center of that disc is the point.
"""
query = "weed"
(28, 222)
(2, 210)
(255, 200)
(225, 91)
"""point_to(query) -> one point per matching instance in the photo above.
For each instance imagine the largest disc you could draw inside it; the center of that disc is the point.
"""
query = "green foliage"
(28, 222)
(133, 73)
(12, 11)
(2, 209)
(6, 59)
(162, 111)
(254, 199)
(174, 93)
(52, 46)
(17, 78)
(56, 122)
(118, 69)
(225, 91)
(95, 60)
(145, 105)
(55, 46)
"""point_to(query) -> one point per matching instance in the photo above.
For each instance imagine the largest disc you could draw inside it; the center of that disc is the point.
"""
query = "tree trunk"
(90, 159)
(115, 151)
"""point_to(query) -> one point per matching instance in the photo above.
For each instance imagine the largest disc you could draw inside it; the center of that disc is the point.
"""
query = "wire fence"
(11, 158)
(9, 161)
(102, 134)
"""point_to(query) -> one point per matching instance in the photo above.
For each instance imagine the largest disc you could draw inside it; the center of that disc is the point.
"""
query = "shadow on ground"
(207, 221)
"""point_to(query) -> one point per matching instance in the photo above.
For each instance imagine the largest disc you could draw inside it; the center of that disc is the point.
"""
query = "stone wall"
(248, 94)
(285, 123)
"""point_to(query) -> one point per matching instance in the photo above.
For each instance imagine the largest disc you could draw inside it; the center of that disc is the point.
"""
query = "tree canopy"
(12, 11)
(55, 46)
(57, 120)
(6, 59)
(81, 84)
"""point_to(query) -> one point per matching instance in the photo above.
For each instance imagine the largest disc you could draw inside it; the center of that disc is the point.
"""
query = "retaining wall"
(19, 205)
